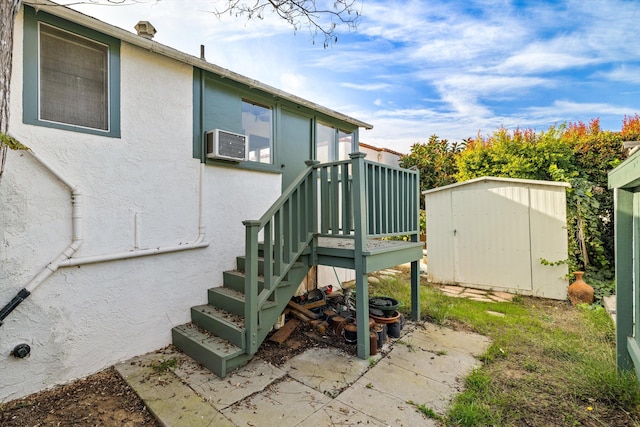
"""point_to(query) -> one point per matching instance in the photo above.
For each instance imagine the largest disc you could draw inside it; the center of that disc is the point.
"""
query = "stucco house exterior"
(150, 173)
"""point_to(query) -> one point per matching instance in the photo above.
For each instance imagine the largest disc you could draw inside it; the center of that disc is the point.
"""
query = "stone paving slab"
(285, 403)
(223, 392)
(318, 387)
(338, 414)
(447, 366)
(390, 410)
(406, 385)
(437, 338)
(327, 370)
(475, 291)
(169, 400)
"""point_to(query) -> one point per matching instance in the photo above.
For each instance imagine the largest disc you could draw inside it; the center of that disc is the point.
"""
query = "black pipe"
(22, 295)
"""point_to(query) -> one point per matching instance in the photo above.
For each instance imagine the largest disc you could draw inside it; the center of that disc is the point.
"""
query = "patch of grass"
(369, 385)
(165, 365)
(409, 344)
(547, 364)
(427, 412)
(530, 366)
(372, 362)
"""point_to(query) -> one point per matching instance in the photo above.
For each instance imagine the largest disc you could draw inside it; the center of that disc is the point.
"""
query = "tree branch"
(299, 13)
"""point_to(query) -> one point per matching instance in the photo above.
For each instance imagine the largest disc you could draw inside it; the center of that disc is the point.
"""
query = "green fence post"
(415, 265)
(312, 208)
(251, 286)
(360, 242)
(623, 214)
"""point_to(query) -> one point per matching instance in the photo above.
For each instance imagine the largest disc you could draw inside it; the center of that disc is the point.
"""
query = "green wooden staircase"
(217, 335)
(355, 202)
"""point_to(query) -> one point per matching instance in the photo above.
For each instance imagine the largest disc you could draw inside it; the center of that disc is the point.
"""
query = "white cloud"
(366, 87)
(629, 74)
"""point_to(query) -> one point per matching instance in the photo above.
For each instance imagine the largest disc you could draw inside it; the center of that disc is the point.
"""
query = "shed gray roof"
(498, 179)
(152, 46)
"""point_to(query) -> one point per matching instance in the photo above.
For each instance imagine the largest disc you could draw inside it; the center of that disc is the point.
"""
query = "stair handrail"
(287, 229)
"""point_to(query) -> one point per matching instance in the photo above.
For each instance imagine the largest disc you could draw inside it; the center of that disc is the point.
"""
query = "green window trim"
(201, 79)
(31, 84)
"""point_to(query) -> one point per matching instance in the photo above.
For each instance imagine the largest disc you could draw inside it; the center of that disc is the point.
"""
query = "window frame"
(333, 149)
(31, 71)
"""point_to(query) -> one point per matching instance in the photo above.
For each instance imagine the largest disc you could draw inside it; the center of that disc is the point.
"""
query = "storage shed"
(494, 233)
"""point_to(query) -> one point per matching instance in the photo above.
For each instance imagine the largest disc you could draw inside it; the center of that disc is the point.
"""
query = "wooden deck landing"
(378, 254)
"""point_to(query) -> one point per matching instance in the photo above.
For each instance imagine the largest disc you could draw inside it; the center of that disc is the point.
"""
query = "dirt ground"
(104, 399)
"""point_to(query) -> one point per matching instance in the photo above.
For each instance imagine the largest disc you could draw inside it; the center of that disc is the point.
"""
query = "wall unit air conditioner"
(227, 145)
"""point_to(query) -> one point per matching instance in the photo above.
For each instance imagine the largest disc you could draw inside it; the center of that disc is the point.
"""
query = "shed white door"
(491, 237)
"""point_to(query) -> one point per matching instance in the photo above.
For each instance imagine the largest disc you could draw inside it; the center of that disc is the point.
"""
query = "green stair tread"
(231, 319)
(216, 345)
(237, 295)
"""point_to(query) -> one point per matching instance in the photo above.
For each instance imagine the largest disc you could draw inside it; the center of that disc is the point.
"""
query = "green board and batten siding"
(217, 104)
(625, 182)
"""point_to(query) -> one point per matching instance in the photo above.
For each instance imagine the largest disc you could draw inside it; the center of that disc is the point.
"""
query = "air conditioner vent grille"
(231, 145)
(226, 145)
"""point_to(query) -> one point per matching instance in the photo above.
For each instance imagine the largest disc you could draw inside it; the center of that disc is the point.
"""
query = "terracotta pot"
(579, 291)
(350, 333)
(392, 318)
(373, 343)
(337, 322)
(381, 331)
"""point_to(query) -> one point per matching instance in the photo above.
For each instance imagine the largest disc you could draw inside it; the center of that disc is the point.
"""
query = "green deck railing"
(353, 198)
(391, 195)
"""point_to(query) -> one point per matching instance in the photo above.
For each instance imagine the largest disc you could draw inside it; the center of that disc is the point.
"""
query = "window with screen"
(71, 76)
(74, 84)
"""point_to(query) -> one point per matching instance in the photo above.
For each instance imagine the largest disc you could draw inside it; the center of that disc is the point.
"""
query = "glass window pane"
(256, 124)
(345, 145)
(73, 79)
(325, 136)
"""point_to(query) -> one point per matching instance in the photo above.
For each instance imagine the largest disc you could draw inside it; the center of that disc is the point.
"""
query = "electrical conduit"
(65, 258)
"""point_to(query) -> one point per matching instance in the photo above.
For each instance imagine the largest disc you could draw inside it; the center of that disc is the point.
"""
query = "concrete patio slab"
(284, 403)
(437, 338)
(406, 385)
(447, 366)
(390, 410)
(168, 399)
(327, 370)
(338, 414)
(322, 386)
(223, 392)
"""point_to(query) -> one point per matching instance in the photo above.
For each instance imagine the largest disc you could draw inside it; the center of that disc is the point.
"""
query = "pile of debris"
(332, 314)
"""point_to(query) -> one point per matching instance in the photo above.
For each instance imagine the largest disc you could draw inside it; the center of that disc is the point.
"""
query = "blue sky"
(418, 68)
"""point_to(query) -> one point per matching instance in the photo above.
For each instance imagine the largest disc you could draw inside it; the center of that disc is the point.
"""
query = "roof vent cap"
(145, 29)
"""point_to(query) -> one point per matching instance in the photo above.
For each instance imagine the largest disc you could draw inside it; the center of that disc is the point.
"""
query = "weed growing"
(549, 363)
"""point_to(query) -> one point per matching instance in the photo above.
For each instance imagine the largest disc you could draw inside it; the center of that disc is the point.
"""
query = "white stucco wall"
(142, 188)
(380, 155)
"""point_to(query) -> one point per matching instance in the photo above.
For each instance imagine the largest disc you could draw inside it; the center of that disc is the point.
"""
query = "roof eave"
(152, 46)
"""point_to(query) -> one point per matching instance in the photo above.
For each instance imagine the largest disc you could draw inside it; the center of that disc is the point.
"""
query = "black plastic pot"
(386, 305)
